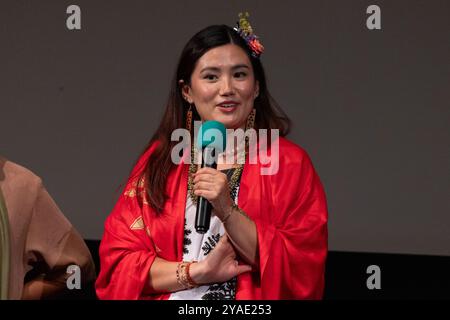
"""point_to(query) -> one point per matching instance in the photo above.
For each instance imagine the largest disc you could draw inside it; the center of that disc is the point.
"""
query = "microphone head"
(212, 134)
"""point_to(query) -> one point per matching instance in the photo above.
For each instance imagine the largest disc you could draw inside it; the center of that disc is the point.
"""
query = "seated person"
(35, 239)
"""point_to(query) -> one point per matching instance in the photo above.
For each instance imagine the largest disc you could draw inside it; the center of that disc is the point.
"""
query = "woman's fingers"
(210, 178)
(243, 268)
(210, 192)
(209, 195)
(225, 245)
(206, 170)
(223, 261)
(228, 248)
(222, 241)
(203, 177)
(203, 186)
(208, 174)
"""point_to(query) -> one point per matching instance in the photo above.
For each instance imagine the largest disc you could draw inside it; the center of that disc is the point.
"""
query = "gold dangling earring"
(189, 118)
(251, 120)
(249, 125)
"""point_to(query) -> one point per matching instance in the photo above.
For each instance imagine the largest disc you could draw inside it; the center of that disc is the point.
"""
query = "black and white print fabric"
(197, 246)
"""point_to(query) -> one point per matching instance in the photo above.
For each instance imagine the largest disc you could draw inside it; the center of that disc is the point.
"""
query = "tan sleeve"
(53, 243)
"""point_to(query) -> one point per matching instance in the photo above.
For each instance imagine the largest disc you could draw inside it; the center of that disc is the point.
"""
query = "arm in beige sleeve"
(55, 244)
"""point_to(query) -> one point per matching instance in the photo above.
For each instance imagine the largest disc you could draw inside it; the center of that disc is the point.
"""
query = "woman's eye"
(210, 77)
(240, 74)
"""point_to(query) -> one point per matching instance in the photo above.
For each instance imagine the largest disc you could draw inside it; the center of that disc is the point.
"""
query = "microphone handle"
(204, 207)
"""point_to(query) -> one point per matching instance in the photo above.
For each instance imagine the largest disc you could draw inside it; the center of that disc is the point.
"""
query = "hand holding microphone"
(209, 184)
(213, 185)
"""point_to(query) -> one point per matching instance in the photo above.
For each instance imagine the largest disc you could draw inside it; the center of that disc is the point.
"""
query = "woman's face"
(223, 86)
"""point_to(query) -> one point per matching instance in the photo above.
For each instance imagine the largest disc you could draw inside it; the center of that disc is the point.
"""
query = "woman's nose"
(226, 87)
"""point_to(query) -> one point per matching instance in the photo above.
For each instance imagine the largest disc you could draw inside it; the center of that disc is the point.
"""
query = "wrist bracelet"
(183, 276)
(190, 281)
(233, 206)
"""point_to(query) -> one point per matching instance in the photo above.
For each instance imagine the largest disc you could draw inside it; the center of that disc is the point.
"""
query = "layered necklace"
(232, 182)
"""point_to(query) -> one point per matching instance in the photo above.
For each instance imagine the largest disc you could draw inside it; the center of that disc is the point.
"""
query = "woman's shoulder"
(295, 165)
(290, 152)
(135, 186)
(141, 162)
(18, 176)
(283, 159)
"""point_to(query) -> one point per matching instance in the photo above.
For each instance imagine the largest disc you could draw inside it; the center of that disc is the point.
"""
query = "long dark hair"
(268, 114)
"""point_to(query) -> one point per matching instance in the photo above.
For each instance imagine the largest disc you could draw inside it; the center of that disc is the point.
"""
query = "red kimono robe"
(290, 212)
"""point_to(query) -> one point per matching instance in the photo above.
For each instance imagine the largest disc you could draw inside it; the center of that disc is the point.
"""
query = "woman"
(268, 233)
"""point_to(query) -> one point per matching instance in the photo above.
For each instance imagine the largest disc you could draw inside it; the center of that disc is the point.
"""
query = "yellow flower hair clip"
(245, 30)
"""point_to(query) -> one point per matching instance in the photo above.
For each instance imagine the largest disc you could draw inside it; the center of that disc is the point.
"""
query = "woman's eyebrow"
(239, 66)
(210, 69)
(216, 69)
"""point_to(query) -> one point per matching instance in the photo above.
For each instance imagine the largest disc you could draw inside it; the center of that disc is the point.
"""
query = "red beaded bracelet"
(190, 281)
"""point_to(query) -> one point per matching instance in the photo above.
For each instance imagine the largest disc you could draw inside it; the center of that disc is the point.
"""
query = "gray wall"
(370, 107)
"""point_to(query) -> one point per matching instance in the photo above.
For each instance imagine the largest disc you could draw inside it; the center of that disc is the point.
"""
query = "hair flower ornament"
(245, 30)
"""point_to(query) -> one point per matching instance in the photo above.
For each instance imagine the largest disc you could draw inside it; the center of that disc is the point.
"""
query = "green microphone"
(211, 140)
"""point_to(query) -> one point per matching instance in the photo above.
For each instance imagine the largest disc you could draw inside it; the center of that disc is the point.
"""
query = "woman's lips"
(228, 108)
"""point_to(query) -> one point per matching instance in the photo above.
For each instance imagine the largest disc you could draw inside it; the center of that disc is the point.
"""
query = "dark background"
(371, 107)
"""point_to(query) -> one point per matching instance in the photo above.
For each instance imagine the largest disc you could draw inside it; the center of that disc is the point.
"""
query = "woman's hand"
(219, 265)
(213, 185)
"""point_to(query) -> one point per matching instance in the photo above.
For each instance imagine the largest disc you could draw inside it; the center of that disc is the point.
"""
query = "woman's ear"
(185, 91)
